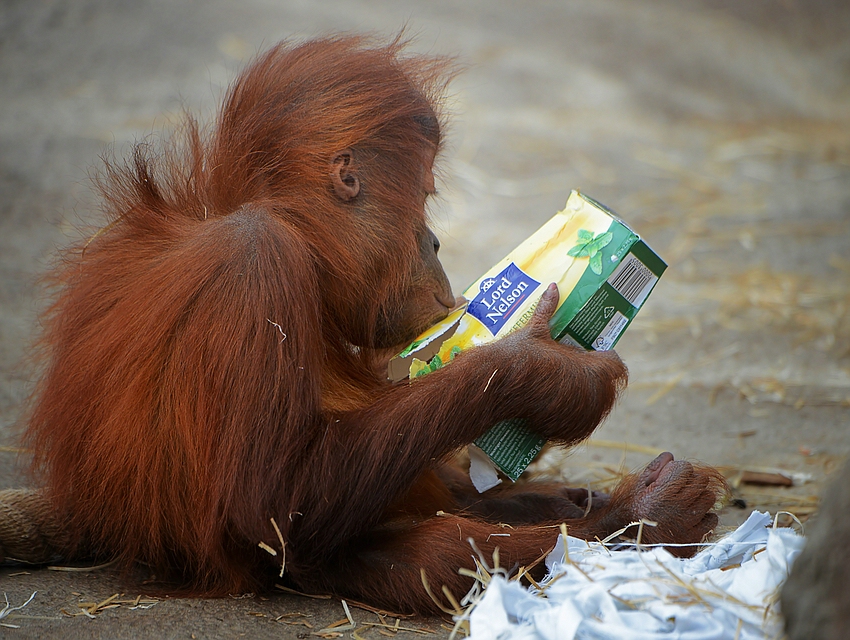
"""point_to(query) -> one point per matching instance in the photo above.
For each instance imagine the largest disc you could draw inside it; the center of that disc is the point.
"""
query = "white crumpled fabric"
(649, 594)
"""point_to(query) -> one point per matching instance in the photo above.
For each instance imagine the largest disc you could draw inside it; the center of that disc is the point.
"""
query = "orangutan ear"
(344, 177)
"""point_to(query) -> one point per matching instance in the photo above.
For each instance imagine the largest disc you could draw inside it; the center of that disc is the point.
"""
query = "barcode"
(632, 280)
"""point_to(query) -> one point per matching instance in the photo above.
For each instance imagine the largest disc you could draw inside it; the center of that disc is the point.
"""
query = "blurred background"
(719, 129)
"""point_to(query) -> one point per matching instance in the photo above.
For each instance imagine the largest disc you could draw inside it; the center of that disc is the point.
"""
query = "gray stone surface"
(720, 129)
(815, 599)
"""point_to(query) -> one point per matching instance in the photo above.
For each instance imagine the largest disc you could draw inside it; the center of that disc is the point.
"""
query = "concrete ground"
(719, 129)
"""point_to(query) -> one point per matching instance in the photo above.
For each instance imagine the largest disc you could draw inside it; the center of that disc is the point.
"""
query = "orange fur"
(212, 357)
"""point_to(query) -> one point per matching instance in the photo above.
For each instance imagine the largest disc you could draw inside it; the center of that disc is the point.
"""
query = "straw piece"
(379, 612)
(431, 593)
(487, 386)
(299, 593)
(666, 388)
(766, 479)
(266, 548)
(5, 449)
(625, 446)
(452, 600)
(96, 567)
(8, 609)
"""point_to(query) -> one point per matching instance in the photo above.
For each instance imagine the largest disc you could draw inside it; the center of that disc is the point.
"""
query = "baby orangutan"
(214, 359)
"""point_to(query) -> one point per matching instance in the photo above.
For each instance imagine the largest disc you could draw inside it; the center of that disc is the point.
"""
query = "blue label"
(499, 297)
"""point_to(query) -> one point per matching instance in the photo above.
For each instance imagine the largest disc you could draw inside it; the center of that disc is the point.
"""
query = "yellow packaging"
(604, 273)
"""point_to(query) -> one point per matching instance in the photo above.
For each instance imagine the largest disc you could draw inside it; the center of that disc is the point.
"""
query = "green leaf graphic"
(596, 263)
(602, 241)
(590, 247)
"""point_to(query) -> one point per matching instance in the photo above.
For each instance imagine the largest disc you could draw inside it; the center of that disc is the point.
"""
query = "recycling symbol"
(608, 312)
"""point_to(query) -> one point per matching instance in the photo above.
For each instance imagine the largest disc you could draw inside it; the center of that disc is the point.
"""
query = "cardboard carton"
(604, 272)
